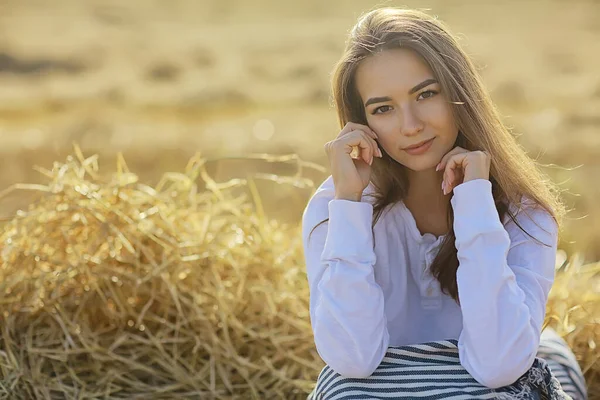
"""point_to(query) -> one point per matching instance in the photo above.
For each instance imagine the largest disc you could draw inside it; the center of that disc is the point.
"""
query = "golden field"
(161, 81)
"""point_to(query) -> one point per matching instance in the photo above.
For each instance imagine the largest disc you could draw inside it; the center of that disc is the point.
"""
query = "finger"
(455, 177)
(454, 163)
(451, 153)
(353, 126)
(445, 181)
(365, 128)
(346, 130)
(444, 160)
(361, 146)
(449, 180)
(376, 150)
(374, 147)
(449, 170)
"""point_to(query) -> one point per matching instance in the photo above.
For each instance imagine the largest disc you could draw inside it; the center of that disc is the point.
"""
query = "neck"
(425, 189)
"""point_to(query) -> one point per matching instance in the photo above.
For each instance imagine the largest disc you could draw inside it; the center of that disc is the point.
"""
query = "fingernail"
(380, 154)
(371, 160)
(437, 167)
(443, 190)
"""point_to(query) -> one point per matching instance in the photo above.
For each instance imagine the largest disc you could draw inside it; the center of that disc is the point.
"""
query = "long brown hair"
(512, 173)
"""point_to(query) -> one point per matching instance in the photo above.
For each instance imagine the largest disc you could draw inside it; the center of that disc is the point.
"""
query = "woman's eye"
(431, 92)
(427, 93)
(379, 108)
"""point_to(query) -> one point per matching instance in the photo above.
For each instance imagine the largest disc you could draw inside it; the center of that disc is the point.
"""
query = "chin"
(420, 168)
(423, 164)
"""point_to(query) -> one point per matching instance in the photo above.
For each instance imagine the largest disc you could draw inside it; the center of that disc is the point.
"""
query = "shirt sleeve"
(504, 278)
(346, 304)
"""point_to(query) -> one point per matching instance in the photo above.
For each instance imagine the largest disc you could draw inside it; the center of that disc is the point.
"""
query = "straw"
(115, 289)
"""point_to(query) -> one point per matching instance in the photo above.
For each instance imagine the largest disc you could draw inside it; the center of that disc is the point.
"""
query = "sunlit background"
(238, 82)
(162, 80)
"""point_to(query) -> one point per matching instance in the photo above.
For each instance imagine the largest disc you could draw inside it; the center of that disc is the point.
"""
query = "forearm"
(503, 286)
(347, 305)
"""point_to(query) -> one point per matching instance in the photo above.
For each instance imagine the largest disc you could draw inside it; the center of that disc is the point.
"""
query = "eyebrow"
(421, 85)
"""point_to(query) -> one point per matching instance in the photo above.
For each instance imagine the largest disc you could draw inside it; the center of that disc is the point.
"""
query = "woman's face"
(404, 106)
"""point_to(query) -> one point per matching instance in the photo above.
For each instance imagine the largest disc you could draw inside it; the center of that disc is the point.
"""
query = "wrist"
(350, 197)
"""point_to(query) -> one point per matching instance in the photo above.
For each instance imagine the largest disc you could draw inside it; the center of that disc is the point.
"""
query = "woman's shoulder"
(527, 207)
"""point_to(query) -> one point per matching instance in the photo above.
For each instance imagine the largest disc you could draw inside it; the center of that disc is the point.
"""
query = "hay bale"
(574, 312)
(115, 289)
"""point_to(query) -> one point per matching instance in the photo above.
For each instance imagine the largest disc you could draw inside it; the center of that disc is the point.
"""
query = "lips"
(414, 146)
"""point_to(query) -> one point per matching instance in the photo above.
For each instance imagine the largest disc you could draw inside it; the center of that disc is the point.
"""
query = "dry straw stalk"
(114, 289)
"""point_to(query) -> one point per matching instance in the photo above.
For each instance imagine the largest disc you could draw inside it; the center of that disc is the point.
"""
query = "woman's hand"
(461, 166)
(351, 176)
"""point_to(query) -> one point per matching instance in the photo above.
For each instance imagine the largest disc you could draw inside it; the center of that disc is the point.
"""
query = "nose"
(410, 123)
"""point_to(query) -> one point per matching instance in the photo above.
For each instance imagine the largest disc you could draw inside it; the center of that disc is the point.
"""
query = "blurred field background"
(162, 80)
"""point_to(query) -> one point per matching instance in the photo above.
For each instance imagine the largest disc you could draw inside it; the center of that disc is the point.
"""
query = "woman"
(434, 227)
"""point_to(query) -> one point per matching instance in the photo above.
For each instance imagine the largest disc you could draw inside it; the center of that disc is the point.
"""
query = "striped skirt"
(433, 371)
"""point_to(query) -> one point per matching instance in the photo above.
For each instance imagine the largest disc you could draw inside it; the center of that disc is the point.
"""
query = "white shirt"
(364, 298)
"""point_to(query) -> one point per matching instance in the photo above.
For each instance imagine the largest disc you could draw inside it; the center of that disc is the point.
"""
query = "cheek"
(386, 123)
(385, 131)
(439, 115)
(375, 123)
(379, 126)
